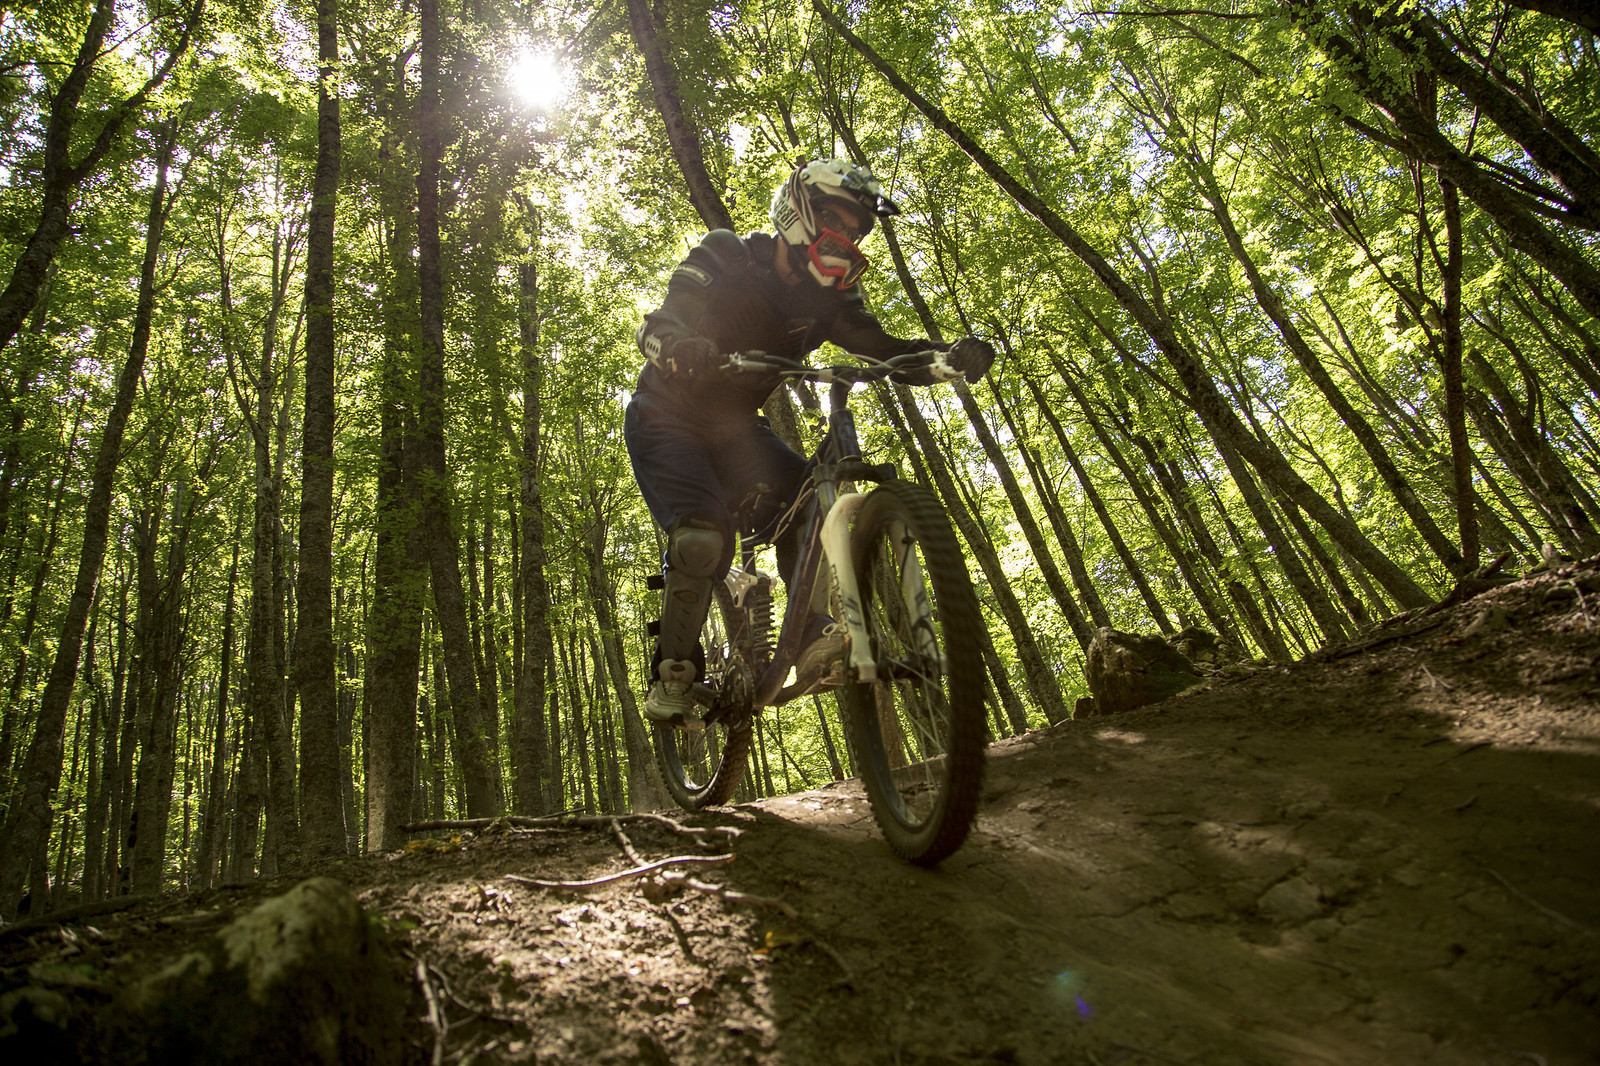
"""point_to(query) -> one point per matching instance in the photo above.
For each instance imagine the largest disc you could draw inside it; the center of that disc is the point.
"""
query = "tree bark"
(322, 810)
(213, 817)
(1023, 513)
(682, 137)
(1455, 400)
(160, 639)
(1092, 494)
(27, 824)
(400, 576)
(59, 180)
(529, 745)
(902, 410)
(444, 550)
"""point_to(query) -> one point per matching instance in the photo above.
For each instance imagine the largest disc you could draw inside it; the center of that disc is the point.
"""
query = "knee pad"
(694, 550)
(694, 553)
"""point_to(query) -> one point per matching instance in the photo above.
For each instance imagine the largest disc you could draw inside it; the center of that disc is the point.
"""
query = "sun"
(537, 79)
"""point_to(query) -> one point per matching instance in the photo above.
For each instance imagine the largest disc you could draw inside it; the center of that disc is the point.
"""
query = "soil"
(1387, 853)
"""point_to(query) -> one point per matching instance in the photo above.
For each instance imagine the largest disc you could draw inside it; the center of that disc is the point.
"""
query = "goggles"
(835, 255)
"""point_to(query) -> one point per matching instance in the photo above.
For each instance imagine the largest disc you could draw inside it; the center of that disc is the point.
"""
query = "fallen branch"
(435, 1017)
(637, 871)
(563, 821)
(72, 914)
(730, 895)
(627, 845)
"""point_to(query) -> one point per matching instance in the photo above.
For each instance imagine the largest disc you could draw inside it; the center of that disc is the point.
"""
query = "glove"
(970, 357)
(694, 355)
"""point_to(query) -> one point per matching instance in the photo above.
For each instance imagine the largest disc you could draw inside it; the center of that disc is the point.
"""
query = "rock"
(1203, 648)
(1127, 670)
(301, 978)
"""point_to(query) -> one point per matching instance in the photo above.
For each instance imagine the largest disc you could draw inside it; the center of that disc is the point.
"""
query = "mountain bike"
(886, 564)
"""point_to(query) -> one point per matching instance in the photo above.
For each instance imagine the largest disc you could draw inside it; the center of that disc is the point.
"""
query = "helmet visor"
(834, 255)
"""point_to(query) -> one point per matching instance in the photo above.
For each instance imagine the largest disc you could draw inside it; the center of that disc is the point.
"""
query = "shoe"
(668, 702)
(824, 653)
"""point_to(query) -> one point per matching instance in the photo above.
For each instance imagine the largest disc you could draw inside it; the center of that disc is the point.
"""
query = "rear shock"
(758, 609)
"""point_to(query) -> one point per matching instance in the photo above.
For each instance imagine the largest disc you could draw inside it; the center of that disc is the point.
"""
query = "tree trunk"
(160, 639)
(902, 410)
(316, 676)
(27, 824)
(60, 177)
(682, 137)
(529, 746)
(1042, 556)
(1092, 494)
(213, 818)
(1455, 400)
(1273, 306)
(394, 619)
(444, 550)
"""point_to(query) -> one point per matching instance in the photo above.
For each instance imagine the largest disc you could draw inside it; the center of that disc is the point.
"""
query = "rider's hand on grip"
(694, 355)
(971, 357)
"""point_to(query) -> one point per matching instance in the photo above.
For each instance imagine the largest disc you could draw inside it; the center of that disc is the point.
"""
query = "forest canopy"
(318, 323)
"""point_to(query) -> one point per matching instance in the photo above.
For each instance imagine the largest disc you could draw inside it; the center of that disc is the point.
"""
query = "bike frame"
(825, 539)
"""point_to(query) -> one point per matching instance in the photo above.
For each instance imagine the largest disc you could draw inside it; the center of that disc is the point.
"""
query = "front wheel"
(702, 767)
(920, 725)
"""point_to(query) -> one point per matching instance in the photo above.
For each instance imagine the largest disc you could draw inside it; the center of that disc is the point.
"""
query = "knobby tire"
(920, 729)
(703, 768)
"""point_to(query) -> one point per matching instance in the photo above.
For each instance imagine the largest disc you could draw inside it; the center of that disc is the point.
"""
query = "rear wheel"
(702, 767)
(919, 726)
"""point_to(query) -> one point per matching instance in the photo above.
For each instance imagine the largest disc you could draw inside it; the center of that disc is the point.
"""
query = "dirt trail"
(1389, 855)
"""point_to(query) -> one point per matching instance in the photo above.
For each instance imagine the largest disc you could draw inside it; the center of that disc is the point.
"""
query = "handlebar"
(842, 373)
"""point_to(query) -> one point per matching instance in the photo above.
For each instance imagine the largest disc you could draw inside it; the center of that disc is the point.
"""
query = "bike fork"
(836, 549)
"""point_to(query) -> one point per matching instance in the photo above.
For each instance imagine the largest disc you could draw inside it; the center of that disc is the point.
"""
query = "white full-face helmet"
(805, 214)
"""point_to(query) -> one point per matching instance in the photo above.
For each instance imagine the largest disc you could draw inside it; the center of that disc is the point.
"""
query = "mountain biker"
(696, 439)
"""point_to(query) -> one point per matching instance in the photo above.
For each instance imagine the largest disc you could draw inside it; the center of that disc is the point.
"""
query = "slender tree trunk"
(1273, 306)
(28, 822)
(902, 410)
(400, 574)
(644, 777)
(1055, 514)
(682, 137)
(1455, 400)
(1092, 494)
(529, 746)
(102, 767)
(161, 642)
(1165, 531)
(213, 818)
(61, 176)
(444, 550)
(322, 812)
(1023, 513)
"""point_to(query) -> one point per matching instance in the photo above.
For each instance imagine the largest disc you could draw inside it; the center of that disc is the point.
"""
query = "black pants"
(702, 468)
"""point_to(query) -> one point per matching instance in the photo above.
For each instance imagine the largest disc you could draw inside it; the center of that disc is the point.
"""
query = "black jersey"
(727, 289)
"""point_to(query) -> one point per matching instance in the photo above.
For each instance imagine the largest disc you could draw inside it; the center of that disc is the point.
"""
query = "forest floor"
(1387, 853)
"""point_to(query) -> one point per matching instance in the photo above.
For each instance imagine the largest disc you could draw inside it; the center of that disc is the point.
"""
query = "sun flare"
(537, 79)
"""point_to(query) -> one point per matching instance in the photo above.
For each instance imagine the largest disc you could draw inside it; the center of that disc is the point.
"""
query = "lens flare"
(538, 79)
